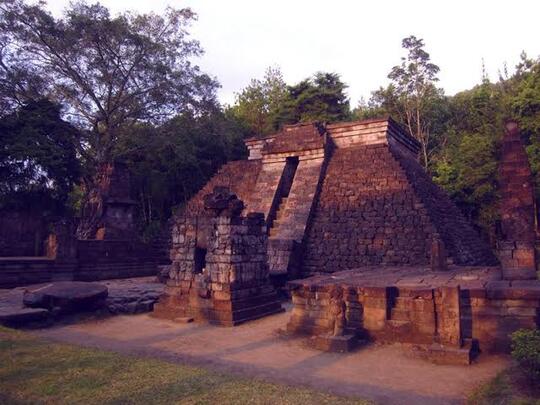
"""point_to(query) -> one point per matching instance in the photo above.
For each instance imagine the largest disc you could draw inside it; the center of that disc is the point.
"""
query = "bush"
(526, 351)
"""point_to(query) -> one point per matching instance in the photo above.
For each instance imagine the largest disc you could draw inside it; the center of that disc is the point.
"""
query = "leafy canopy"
(38, 159)
(320, 98)
(259, 102)
(108, 71)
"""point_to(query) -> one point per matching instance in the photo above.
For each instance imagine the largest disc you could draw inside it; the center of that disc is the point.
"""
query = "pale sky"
(359, 40)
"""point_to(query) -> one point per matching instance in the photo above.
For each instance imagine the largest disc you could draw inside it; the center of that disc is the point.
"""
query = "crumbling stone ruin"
(220, 276)
(106, 248)
(517, 247)
(109, 212)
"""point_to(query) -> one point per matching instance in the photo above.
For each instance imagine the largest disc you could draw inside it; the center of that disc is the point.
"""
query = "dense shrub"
(526, 351)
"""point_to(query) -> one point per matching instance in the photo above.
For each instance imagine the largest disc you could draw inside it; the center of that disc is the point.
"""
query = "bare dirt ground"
(384, 374)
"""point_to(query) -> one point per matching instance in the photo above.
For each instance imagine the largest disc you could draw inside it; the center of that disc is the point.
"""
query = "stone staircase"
(279, 216)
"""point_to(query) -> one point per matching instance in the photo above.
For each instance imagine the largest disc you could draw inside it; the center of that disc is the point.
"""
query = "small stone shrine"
(219, 276)
(109, 212)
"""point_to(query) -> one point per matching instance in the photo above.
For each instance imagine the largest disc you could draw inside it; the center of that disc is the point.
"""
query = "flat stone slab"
(406, 277)
(133, 296)
(69, 296)
(13, 316)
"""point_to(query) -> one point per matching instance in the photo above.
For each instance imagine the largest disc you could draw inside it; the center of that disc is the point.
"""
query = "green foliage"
(109, 72)
(38, 159)
(258, 103)
(466, 165)
(172, 162)
(412, 96)
(526, 351)
(525, 107)
(321, 98)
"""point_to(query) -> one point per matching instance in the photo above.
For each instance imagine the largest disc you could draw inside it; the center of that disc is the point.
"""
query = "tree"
(172, 162)
(259, 102)
(109, 72)
(38, 159)
(524, 106)
(467, 166)
(414, 92)
(321, 98)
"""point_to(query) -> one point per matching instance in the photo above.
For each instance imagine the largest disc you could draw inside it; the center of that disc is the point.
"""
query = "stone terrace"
(449, 313)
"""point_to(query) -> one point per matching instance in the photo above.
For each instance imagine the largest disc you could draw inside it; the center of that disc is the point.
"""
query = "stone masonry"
(223, 280)
(109, 213)
(344, 196)
(517, 247)
(451, 314)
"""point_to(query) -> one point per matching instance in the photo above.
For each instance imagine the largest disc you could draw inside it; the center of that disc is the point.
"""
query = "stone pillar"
(438, 255)
(61, 244)
(109, 213)
(517, 247)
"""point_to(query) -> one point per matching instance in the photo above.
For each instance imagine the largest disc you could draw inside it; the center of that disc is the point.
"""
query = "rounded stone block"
(69, 296)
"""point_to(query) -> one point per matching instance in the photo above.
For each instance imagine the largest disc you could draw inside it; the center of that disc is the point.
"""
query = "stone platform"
(125, 296)
(451, 314)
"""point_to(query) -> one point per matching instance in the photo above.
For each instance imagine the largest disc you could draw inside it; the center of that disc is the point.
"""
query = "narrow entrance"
(200, 260)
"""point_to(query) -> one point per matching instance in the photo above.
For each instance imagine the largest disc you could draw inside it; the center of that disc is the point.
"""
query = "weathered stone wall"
(90, 260)
(15, 272)
(491, 314)
(22, 233)
(462, 242)
(109, 212)
(450, 316)
(233, 287)
(367, 214)
(102, 260)
(239, 176)
(517, 208)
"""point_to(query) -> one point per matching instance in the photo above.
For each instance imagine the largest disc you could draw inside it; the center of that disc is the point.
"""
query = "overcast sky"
(360, 40)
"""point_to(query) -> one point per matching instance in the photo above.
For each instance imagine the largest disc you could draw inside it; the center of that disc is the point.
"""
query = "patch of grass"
(509, 387)
(36, 371)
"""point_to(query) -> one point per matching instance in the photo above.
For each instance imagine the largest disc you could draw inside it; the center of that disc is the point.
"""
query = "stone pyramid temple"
(344, 196)
(371, 248)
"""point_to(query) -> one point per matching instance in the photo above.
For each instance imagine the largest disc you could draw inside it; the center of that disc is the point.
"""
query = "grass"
(508, 388)
(36, 371)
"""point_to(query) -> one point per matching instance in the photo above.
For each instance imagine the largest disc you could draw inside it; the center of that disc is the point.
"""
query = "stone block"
(339, 344)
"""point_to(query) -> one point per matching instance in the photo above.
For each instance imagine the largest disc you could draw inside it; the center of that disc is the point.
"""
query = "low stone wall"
(491, 314)
(450, 313)
(15, 272)
(95, 260)
(22, 233)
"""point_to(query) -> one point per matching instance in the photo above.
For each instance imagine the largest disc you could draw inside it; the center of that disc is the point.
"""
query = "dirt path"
(385, 374)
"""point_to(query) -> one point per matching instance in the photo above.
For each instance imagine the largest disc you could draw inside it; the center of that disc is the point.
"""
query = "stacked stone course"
(234, 285)
(450, 315)
(358, 198)
(459, 237)
(239, 176)
(367, 214)
(517, 247)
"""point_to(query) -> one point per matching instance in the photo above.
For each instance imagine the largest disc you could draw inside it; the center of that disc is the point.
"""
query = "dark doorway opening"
(200, 260)
(287, 177)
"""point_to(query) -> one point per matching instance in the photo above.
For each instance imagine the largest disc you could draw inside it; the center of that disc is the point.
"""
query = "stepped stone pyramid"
(344, 196)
